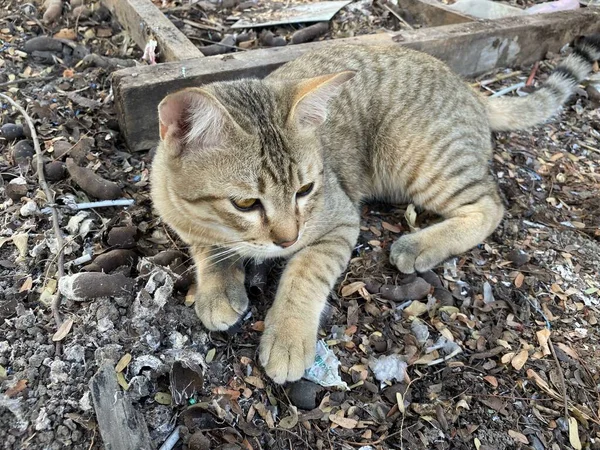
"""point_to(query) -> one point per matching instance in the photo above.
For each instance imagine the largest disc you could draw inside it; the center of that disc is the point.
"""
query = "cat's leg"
(221, 296)
(471, 209)
(288, 344)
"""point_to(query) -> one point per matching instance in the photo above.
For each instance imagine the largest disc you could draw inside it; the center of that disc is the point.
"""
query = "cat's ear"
(191, 116)
(312, 96)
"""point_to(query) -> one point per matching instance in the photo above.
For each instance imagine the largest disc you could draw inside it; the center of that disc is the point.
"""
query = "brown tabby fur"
(378, 122)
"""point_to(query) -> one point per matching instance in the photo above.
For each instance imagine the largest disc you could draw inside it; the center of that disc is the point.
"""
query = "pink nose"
(286, 244)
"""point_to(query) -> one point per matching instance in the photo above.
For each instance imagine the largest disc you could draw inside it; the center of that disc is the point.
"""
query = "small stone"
(378, 343)
(42, 422)
(417, 290)
(111, 353)
(58, 372)
(75, 353)
(198, 442)
(593, 93)
(28, 209)
(443, 296)
(55, 171)
(105, 324)
(390, 393)
(60, 149)
(16, 189)
(25, 320)
(432, 278)
(518, 257)
(122, 237)
(22, 152)
(139, 387)
(85, 403)
(10, 131)
(303, 394)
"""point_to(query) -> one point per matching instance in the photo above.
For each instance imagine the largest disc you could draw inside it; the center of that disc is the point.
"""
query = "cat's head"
(240, 164)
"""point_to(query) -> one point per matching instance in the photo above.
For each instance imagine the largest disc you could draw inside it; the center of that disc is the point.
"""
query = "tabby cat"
(279, 167)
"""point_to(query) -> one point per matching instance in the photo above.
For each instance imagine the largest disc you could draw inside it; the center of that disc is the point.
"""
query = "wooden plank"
(432, 13)
(143, 21)
(468, 48)
(122, 427)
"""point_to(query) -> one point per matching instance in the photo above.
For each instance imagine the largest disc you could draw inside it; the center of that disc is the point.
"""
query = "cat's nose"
(286, 244)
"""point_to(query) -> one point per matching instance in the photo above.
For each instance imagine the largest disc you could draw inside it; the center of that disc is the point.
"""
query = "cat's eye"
(245, 204)
(305, 190)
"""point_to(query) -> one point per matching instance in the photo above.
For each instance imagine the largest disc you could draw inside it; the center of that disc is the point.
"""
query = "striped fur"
(520, 113)
(375, 122)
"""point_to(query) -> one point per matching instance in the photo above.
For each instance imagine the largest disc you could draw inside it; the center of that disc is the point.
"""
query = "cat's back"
(380, 61)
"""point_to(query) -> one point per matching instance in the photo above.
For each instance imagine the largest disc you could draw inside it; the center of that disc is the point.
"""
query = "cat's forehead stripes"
(254, 107)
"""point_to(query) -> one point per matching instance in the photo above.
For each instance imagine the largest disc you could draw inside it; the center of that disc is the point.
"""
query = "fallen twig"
(26, 80)
(394, 10)
(50, 199)
(562, 379)
(532, 74)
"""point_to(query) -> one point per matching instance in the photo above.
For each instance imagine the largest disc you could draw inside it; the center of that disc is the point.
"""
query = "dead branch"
(49, 198)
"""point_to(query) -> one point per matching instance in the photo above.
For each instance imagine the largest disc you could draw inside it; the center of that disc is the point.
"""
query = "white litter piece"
(324, 370)
(150, 52)
(488, 295)
(388, 368)
(486, 9)
(419, 330)
(310, 12)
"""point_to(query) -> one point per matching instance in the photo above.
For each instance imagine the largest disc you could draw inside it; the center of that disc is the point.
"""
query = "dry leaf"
(164, 398)
(519, 361)
(492, 380)
(123, 362)
(574, 434)
(568, 350)
(20, 241)
(519, 280)
(21, 385)
(390, 227)
(507, 358)
(122, 381)
(255, 381)
(352, 288)
(27, 285)
(210, 355)
(344, 422)
(290, 421)
(415, 309)
(519, 437)
(265, 414)
(411, 217)
(66, 33)
(63, 330)
(542, 337)
(258, 326)
(400, 402)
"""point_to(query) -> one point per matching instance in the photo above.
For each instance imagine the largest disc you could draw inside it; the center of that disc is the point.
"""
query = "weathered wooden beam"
(144, 21)
(432, 13)
(122, 427)
(468, 48)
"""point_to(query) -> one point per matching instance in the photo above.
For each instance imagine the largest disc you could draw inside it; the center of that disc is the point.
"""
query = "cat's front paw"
(221, 309)
(287, 349)
(410, 253)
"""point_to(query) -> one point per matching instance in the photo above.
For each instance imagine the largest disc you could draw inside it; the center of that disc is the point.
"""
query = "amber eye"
(305, 190)
(245, 204)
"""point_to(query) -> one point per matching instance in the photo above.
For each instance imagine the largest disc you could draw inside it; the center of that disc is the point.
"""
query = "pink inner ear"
(171, 112)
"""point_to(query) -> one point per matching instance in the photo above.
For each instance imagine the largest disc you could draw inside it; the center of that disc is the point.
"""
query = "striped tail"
(519, 113)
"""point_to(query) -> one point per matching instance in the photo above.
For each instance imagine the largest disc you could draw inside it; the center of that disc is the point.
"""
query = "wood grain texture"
(470, 49)
(143, 20)
(121, 426)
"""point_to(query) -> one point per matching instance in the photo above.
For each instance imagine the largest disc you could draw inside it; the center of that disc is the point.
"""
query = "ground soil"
(536, 276)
